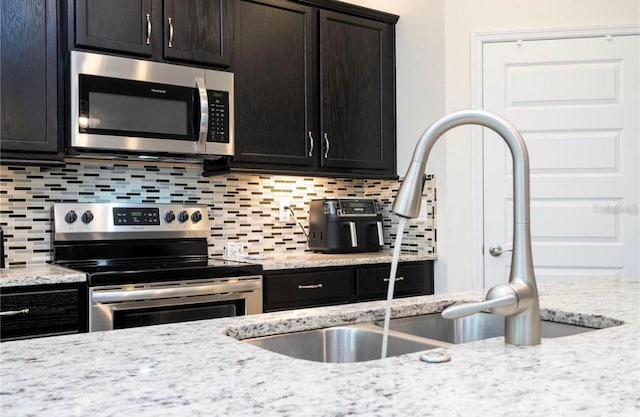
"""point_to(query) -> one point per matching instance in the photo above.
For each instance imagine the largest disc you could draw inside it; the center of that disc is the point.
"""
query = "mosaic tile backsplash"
(242, 207)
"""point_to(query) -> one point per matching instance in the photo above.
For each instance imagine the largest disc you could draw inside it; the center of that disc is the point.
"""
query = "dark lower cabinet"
(304, 289)
(312, 287)
(44, 310)
(412, 278)
(29, 79)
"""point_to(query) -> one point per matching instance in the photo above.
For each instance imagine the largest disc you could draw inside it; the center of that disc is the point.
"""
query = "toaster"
(345, 225)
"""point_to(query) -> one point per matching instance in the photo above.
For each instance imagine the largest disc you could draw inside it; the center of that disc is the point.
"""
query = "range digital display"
(126, 216)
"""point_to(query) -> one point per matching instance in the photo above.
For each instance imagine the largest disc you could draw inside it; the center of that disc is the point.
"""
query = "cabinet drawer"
(307, 288)
(39, 313)
(411, 279)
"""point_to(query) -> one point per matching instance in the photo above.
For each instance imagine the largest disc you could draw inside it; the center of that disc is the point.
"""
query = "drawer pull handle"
(397, 279)
(309, 287)
(15, 312)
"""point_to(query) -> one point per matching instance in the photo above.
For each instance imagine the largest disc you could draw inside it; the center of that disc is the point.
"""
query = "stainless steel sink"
(355, 343)
(468, 329)
(363, 342)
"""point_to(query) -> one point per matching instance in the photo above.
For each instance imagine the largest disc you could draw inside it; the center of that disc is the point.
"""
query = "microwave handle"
(204, 114)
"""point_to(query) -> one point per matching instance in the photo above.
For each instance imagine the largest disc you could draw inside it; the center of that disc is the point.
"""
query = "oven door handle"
(111, 296)
(204, 115)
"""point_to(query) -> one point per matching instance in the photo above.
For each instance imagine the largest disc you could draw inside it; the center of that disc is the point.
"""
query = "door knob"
(496, 250)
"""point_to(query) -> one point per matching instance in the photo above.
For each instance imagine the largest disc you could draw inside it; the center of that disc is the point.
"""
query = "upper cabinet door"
(275, 92)
(116, 25)
(198, 31)
(357, 92)
(28, 77)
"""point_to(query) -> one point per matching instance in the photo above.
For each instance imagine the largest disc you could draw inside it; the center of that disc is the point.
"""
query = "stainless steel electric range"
(148, 264)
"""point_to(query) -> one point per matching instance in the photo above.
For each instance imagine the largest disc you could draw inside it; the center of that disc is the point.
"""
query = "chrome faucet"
(518, 299)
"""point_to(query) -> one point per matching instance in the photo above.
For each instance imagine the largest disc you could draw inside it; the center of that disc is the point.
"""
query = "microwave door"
(134, 116)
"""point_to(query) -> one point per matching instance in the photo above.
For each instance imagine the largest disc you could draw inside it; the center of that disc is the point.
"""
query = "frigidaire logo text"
(153, 90)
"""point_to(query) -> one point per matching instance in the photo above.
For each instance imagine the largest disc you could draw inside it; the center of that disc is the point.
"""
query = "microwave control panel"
(218, 116)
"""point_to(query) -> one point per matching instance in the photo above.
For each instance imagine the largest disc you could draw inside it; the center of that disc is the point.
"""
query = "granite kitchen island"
(196, 368)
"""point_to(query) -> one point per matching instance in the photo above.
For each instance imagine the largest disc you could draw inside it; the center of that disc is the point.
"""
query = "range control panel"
(74, 220)
(126, 216)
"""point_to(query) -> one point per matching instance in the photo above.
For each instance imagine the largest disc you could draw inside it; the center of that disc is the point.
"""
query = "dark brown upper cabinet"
(196, 31)
(315, 89)
(29, 79)
(274, 69)
(357, 93)
(115, 25)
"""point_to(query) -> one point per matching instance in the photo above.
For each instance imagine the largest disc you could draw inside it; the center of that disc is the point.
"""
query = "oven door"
(172, 302)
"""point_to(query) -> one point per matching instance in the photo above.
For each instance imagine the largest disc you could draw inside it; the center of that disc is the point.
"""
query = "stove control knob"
(70, 217)
(169, 216)
(183, 216)
(87, 216)
(196, 216)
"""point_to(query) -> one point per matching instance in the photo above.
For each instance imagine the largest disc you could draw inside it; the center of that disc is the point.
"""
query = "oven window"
(123, 319)
(137, 114)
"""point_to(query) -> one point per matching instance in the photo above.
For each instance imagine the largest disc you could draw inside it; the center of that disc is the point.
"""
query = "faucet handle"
(502, 298)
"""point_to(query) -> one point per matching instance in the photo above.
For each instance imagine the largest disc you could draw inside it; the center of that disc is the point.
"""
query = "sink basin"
(468, 329)
(363, 342)
(356, 343)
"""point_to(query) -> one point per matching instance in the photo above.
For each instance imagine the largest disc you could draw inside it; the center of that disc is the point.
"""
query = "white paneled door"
(576, 103)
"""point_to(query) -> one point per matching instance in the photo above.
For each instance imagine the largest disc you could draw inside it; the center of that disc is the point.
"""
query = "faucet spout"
(522, 325)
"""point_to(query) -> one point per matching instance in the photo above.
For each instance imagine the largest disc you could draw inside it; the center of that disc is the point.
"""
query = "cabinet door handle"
(14, 312)
(148, 29)
(397, 279)
(326, 148)
(309, 287)
(170, 32)
(310, 144)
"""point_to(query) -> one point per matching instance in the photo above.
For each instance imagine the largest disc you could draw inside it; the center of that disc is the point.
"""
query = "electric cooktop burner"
(106, 272)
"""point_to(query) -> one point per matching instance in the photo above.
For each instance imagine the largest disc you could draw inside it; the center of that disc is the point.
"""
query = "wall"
(241, 207)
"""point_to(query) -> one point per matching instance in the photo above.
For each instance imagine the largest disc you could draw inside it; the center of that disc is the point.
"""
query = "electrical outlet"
(233, 250)
(284, 210)
(424, 214)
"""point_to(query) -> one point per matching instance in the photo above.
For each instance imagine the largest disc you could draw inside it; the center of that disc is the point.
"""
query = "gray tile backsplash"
(242, 207)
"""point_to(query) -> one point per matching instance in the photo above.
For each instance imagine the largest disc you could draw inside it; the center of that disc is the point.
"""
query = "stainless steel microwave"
(142, 108)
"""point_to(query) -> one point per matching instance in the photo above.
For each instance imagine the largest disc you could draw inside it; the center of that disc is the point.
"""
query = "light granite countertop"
(38, 275)
(313, 260)
(53, 274)
(195, 369)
